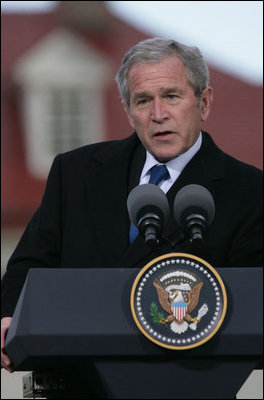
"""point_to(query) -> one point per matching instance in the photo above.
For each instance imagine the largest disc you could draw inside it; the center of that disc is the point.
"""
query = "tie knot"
(158, 173)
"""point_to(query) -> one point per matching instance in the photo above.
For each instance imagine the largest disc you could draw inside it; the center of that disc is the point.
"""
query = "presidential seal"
(178, 301)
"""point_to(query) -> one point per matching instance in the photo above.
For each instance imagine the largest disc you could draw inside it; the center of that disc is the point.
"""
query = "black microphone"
(194, 210)
(148, 209)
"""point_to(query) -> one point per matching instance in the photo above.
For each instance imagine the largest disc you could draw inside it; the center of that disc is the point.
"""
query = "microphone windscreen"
(194, 197)
(147, 195)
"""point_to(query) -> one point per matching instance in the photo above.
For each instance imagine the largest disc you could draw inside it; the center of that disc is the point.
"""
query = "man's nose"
(159, 112)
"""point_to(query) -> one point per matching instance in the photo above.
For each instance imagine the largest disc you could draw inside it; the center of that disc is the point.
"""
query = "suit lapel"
(108, 186)
(206, 167)
(105, 183)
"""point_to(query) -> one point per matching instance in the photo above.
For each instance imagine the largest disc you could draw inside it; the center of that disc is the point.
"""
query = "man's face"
(163, 108)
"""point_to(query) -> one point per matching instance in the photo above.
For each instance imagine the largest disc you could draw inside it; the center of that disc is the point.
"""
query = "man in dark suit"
(83, 221)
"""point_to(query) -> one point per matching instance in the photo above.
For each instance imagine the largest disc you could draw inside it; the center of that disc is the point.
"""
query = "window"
(69, 119)
(63, 84)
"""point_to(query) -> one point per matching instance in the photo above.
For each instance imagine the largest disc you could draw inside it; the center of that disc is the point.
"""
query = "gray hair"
(156, 49)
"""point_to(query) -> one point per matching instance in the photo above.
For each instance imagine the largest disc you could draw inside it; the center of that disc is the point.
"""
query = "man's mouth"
(163, 134)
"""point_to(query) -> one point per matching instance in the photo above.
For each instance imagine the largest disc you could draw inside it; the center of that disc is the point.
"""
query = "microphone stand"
(158, 245)
(189, 245)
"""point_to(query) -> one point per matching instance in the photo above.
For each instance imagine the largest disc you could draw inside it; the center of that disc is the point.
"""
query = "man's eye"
(172, 96)
(143, 101)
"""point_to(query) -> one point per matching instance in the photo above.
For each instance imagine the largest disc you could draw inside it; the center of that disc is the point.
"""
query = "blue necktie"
(157, 174)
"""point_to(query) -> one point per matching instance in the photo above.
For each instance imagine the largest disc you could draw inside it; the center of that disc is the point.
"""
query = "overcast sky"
(229, 33)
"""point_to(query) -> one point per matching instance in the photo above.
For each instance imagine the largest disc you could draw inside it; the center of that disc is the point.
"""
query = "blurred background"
(58, 63)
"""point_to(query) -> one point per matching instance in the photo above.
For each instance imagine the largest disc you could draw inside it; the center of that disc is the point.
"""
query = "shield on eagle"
(179, 310)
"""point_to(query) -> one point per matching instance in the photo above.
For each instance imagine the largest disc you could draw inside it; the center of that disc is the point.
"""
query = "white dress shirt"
(175, 166)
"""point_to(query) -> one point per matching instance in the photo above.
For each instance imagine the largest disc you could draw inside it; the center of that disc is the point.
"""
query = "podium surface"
(71, 318)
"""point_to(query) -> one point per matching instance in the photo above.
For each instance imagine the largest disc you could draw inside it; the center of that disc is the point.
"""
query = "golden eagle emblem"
(178, 294)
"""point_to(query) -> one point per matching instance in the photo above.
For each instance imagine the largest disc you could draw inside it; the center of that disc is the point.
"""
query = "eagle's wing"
(163, 297)
(193, 296)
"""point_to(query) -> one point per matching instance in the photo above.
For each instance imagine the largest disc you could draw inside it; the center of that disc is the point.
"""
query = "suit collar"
(212, 159)
(114, 151)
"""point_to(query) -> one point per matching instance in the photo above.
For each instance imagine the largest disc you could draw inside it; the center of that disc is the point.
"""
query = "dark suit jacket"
(83, 221)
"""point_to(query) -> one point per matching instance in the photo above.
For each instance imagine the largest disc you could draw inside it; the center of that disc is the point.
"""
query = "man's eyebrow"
(174, 89)
(140, 95)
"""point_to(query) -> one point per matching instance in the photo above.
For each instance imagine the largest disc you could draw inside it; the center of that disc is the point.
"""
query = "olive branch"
(156, 315)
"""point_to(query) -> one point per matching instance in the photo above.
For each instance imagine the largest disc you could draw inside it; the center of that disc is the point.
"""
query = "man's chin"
(163, 160)
(164, 157)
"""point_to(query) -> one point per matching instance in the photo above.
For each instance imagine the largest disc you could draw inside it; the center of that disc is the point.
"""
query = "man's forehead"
(171, 59)
(168, 68)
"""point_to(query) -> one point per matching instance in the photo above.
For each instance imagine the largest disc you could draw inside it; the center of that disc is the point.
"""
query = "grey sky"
(229, 33)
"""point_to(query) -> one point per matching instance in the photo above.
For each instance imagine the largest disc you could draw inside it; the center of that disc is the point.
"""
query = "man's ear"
(206, 103)
(129, 116)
